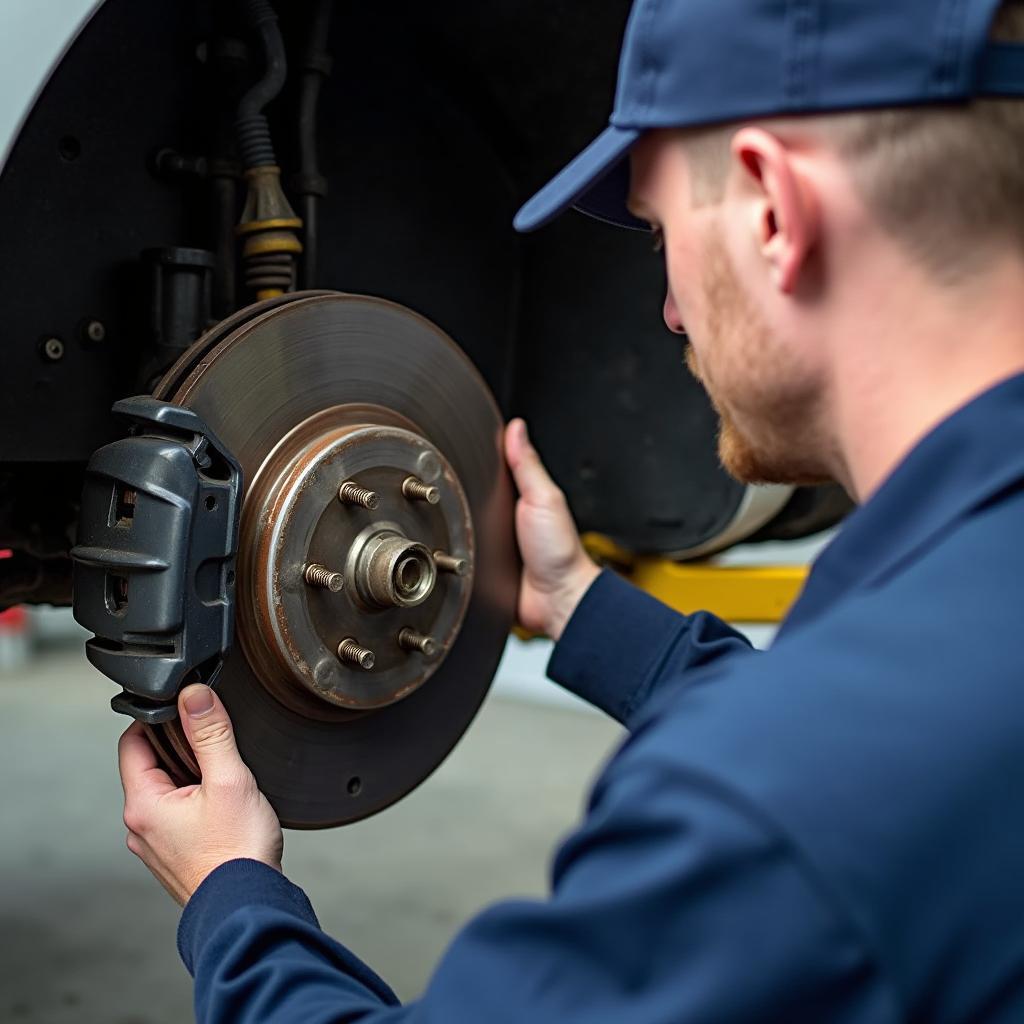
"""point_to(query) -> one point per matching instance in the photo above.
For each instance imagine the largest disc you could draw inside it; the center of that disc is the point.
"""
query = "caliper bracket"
(154, 573)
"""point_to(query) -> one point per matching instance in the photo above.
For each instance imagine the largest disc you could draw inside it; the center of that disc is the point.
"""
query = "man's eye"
(659, 239)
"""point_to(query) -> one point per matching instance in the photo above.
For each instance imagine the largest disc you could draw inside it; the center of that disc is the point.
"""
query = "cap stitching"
(951, 14)
(803, 22)
(650, 65)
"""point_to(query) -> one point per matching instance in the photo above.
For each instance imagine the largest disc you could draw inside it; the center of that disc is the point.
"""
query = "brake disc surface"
(372, 461)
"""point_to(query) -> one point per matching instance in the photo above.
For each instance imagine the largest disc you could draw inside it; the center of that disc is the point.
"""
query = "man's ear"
(786, 221)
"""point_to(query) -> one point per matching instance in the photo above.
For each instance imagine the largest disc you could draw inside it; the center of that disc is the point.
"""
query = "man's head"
(739, 262)
(783, 233)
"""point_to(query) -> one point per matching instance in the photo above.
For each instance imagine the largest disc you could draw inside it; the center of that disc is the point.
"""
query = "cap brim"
(596, 182)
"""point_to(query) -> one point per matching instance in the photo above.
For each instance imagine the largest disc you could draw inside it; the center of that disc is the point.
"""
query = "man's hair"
(946, 180)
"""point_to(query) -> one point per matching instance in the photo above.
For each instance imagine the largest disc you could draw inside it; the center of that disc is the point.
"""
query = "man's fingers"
(209, 731)
(140, 771)
(532, 479)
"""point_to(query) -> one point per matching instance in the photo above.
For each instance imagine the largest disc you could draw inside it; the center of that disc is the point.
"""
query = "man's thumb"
(531, 477)
(208, 728)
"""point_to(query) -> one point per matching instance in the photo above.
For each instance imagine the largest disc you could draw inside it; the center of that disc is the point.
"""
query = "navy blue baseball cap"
(687, 63)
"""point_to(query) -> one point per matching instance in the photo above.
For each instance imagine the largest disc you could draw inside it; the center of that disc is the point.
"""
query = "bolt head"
(53, 349)
(95, 331)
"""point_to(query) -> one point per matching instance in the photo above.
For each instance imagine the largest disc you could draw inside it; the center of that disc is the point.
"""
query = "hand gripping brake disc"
(376, 565)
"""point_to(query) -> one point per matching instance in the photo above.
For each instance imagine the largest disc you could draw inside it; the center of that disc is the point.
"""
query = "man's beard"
(779, 445)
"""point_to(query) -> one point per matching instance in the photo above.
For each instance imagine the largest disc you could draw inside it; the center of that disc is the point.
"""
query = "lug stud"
(449, 563)
(413, 641)
(352, 494)
(416, 490)
(320, 576)
(350, 651)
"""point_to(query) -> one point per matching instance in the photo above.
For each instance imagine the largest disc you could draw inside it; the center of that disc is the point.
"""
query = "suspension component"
(268, 224)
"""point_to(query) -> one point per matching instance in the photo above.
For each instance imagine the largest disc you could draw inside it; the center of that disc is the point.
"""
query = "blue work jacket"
(832, 830)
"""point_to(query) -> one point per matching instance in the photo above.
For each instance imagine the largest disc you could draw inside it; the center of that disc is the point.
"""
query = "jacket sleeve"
(674, 901)
(250, 939)
(622, 647)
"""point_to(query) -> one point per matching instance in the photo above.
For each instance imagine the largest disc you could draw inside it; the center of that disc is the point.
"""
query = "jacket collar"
(967, 460)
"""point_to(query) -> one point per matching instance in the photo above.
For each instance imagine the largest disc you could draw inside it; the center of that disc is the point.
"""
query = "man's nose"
(673, 321)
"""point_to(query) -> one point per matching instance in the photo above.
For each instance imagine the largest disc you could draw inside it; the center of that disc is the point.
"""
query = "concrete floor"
(88, 936)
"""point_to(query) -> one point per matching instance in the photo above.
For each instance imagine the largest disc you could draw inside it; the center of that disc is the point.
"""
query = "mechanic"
(831, 830)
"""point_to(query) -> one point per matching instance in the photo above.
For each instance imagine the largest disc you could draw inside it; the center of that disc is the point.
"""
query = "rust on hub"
(294, 528)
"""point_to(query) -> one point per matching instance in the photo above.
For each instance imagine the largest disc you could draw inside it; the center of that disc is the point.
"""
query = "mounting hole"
(355, 784)
(69, 148)
(230, 578)
(211, 503)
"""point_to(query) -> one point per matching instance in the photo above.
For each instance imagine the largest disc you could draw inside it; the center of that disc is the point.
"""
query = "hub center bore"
(391, 571)
(357, 554)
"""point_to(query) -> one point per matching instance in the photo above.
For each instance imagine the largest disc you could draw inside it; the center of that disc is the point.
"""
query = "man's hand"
(181, 835)
(556, 569)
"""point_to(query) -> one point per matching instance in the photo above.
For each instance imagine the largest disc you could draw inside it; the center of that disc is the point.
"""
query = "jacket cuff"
(614, 643)
(237, 883)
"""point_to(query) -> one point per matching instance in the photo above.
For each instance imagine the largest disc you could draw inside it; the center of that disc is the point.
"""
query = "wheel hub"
(339, 496)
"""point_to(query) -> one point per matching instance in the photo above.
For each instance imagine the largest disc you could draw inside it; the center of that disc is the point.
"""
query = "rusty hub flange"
(311, 392)
(294, 518)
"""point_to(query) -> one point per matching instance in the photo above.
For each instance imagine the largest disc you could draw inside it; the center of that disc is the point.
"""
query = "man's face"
(765, 390)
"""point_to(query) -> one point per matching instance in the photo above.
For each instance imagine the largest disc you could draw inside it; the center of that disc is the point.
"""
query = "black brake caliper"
(155, 560)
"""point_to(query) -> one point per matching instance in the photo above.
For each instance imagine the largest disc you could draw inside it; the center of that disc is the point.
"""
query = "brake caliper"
(154, 571)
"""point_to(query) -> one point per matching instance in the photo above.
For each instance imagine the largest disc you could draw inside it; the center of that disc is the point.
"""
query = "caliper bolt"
(449, 563)
(413, 641)
(320, 576)
(352, 494)
(417, 490)
(350, 651)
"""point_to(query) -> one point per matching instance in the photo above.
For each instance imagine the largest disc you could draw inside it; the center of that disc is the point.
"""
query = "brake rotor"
(377, 569)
